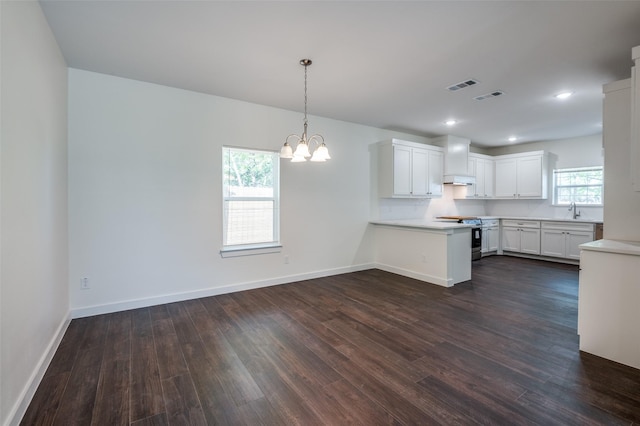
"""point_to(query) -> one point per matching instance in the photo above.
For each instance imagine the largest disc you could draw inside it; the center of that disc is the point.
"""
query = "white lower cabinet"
(521, 236)
(490, 237)
(563, 239)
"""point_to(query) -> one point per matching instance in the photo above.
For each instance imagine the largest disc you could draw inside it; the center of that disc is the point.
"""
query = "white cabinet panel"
(409, 170)
(521, 236)
(562, 239)
(511, 239)
(573, 241)
(521, 176)
(493, 239)
(420, 168)
(402, 173)
(490, 239)
(481, 168)
(506, 178)
(529, 177)
(489, 181)
(552, 243)
(435, 173)
(608, 314)
(530, 241)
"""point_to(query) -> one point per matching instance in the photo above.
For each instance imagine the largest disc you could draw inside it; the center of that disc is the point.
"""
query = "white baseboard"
(21, 405)
(178, 297)
(416, 275)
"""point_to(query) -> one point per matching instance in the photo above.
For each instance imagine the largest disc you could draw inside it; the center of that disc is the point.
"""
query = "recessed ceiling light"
(563, 95)
(512, 138)
(450, 122)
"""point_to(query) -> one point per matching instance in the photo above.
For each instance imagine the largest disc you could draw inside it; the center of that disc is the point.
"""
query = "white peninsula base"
(609, 300)
(438, 253)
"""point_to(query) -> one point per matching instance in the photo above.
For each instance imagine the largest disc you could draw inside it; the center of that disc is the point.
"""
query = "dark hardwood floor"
(364, 348)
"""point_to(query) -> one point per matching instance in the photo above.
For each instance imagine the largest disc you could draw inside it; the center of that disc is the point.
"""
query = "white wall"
(622, 203)
(33, 218)
(145, 194)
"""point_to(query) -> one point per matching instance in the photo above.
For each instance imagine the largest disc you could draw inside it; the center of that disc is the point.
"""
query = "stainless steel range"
(476, 236)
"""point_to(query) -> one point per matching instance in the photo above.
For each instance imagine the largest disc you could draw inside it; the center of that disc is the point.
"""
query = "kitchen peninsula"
(435, 252)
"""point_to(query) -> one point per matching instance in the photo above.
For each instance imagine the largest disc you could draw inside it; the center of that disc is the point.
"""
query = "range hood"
(456, 160)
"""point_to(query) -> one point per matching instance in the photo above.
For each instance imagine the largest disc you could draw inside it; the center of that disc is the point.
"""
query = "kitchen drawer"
(490, 223)
(533, 224)
(568, 226)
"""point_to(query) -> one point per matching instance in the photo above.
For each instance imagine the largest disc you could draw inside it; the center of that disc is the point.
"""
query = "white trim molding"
(21, 405)
(231, 288)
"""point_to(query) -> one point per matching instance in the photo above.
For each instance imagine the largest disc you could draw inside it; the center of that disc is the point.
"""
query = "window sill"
(251, 250)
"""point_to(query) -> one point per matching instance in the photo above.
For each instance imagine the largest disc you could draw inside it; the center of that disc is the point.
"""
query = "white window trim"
(238, 250)
(575, 169)
(250, 250)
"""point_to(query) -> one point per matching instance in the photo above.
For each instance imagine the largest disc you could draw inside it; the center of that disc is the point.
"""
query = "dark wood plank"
(157, 420)
(146, 389)
(218, 406)
(76, 406)
(46, 401)
(112, 397)
(170, 358)
(230, 372)
(181, 401)
(287, 404)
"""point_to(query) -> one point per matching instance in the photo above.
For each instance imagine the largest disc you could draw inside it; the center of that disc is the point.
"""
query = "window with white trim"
(251, 206)
(583, 186)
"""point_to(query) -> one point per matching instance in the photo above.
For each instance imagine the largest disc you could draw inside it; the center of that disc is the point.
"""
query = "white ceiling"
(384, 64)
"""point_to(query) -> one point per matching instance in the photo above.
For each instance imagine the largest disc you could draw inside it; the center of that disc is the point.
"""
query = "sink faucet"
(573, 207)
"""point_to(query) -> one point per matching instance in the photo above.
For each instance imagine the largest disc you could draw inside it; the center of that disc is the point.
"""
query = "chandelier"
(303, 149)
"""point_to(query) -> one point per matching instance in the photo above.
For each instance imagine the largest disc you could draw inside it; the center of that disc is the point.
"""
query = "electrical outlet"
(424, 258)
(84, 283)
(286, 259)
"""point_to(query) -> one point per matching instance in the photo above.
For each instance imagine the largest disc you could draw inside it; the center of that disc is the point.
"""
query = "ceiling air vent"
(489, 95)
(462, 85)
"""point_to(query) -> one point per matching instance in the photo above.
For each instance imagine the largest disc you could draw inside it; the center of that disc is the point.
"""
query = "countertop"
(426, 224)
(446, 224)
(613, 246)
(545, 219)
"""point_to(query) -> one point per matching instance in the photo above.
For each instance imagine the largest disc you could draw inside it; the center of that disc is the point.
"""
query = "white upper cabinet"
(435, 173)
(402, 170)
(482, 167)
(409, 170)
(521, 175)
